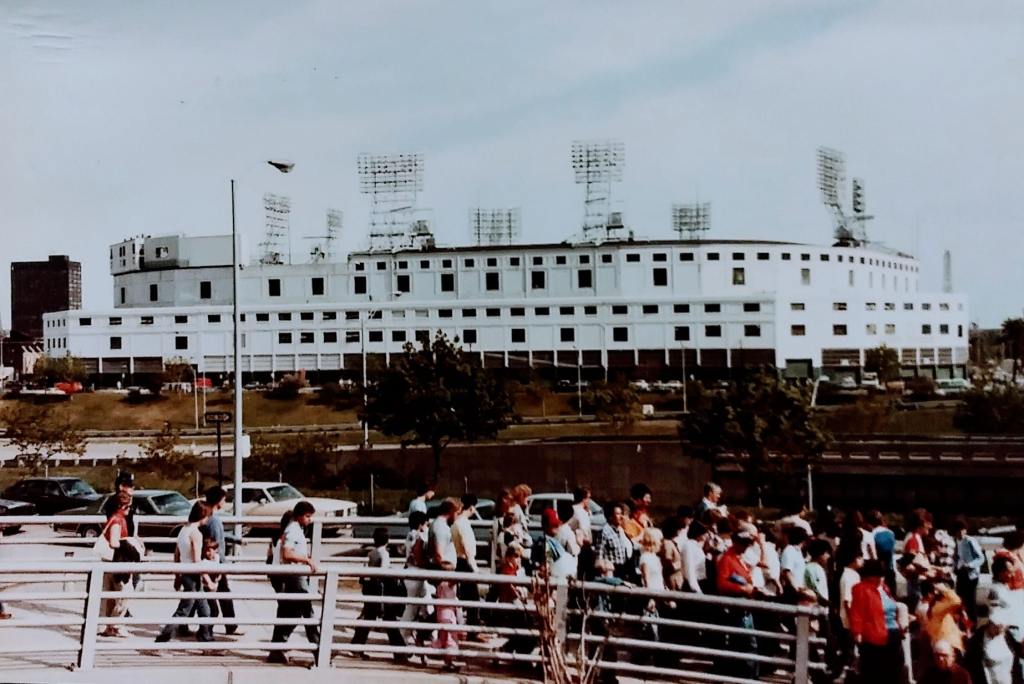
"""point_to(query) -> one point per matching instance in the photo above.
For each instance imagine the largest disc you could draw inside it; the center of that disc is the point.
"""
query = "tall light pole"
(283, 167)
(682, 349)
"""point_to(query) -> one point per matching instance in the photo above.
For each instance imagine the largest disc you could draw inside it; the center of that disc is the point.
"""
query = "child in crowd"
(210, 580)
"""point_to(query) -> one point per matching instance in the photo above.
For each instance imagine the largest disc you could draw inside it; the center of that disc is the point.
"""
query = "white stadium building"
(614, 306)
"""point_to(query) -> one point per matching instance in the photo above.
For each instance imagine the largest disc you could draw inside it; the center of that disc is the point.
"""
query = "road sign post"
(219, 418)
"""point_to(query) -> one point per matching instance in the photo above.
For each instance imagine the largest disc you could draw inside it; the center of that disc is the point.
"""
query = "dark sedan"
(51, 495)
(14, 508)
(159, 502)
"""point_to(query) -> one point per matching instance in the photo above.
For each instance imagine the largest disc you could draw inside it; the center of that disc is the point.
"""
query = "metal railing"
(702, 638)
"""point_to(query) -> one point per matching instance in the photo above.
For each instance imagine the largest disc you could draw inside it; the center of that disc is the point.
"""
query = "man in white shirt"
(695, 559)
(424, 493)
(294, 550)
(794, 566)
(852, 560)
(440, 545)
(464, 540)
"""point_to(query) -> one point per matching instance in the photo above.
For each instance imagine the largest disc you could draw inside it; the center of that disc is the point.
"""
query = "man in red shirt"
(733, 579)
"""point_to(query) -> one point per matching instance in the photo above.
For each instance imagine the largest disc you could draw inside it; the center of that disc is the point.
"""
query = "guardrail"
(578, 625)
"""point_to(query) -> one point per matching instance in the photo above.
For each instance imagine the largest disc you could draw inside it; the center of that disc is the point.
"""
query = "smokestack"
(947, 271)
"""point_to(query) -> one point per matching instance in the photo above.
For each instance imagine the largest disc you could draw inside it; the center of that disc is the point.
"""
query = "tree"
(436, 394)
(164, 457)
(614, 403)
(752, 419)
(1013, 339)
(39, 432)
(303, 460)
(883, 360)
(1000, 410)
(52, 370)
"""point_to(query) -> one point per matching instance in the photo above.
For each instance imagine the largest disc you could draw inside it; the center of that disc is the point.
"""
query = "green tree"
(614, 403)
(751, 419)
(303, 460)
(39, 432)
(1013, 340)
(999, 410)
(436, 394)
(54, 369)
(883, 360)
(164, 457)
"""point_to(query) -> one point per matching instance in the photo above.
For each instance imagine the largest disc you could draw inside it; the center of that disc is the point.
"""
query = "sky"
(128, 118)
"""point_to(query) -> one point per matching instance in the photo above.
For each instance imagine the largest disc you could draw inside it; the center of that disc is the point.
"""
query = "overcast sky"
(130, 118)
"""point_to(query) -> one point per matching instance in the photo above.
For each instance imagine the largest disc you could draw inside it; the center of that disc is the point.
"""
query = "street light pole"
(237, 510)
(579, 381)
(682, 348)
(362, 352)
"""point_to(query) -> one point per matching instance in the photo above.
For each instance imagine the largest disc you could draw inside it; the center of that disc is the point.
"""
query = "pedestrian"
(582, 523)
(915, 564)
(640, 498)
(123, 483)
(464, 540)
(733, 578)
(885, 547)
(379, 557)
(512, 594)
(794, 568)
(448, 617)
(115, 534)
(615, 547)
(1001, 635)
(851, 559)
(440, 545)
(968, 561)
(652, 575)
(875, 627)
(671, 555)
(695, 558)
(213, 529)
(520, 499)
(945, 669)
(293, 549)
(189, 549)
(415, 557)
(558, 560)
(424, 493)
(815, 574)
(710, 501)
(211, 577)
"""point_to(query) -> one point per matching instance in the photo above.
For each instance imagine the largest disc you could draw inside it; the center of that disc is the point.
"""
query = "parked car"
(14, 508)
(847, 382)
(869, 380)
(562, 503)
(947, 387)
(51, 495)
(673, 385)
(641, 385)
(156, 502)
(276, 498)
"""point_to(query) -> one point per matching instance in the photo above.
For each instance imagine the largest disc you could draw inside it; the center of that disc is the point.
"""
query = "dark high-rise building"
(39, 287)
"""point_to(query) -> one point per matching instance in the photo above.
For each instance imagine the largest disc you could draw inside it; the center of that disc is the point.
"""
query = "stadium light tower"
(850, 229)
(597, 164)
(691, 220)
(392, 181)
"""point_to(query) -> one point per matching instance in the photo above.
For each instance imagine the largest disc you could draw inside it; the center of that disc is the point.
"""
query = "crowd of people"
(878, 590)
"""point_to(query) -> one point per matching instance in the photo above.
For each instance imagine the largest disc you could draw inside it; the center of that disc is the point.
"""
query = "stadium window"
(797, 330)
(590, 310)
(444, 313)
(538, 261)
(839, 330)
(567, 334)
(492, 281)
(660, 276)
(686, 256)
(210, 318)
(114, 320)
(351, 336)
(762, 256)
(566, 310)
(620, 334)
(148, 320)
(329, 316)
(317, 285)
(205, 289)
(375, 335)
(751, 331)
(632, 258)
(306, 338)
(284, 338)
(154, 292)
(398, 336)
(620, 309)
(660, 256)
(284, 316)
(306, 316)
(926, 329)
(805, 276)
(359, 285)
(469, 336)
(712, 331)
(751, 307)
(536, 280)
(712, 308)
(518, 335)
(382, 265)
(115, 342)
(542, 311)
(739, 276)
(680, 308)
(738, 256)
(330, 337)
(606, 258)
(84, 322)
(649, 309)
(682, 333)
(516, 311)
(274, 287)
(469, 313)
(447, 282)
(584, 278)
(403, 283)
(493, 313)
(492, 262)
(712, 256)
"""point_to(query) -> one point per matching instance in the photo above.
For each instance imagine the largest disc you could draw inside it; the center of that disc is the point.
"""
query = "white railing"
(709, 634)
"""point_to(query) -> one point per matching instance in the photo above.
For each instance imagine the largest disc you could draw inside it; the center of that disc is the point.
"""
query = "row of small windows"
(840, 330)
(632, 257)
(515, 311)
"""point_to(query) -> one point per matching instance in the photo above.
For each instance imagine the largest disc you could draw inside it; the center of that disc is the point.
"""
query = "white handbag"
(102, 548)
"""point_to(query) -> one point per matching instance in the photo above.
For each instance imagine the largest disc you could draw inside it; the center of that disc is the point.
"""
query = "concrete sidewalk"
(184, 672)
